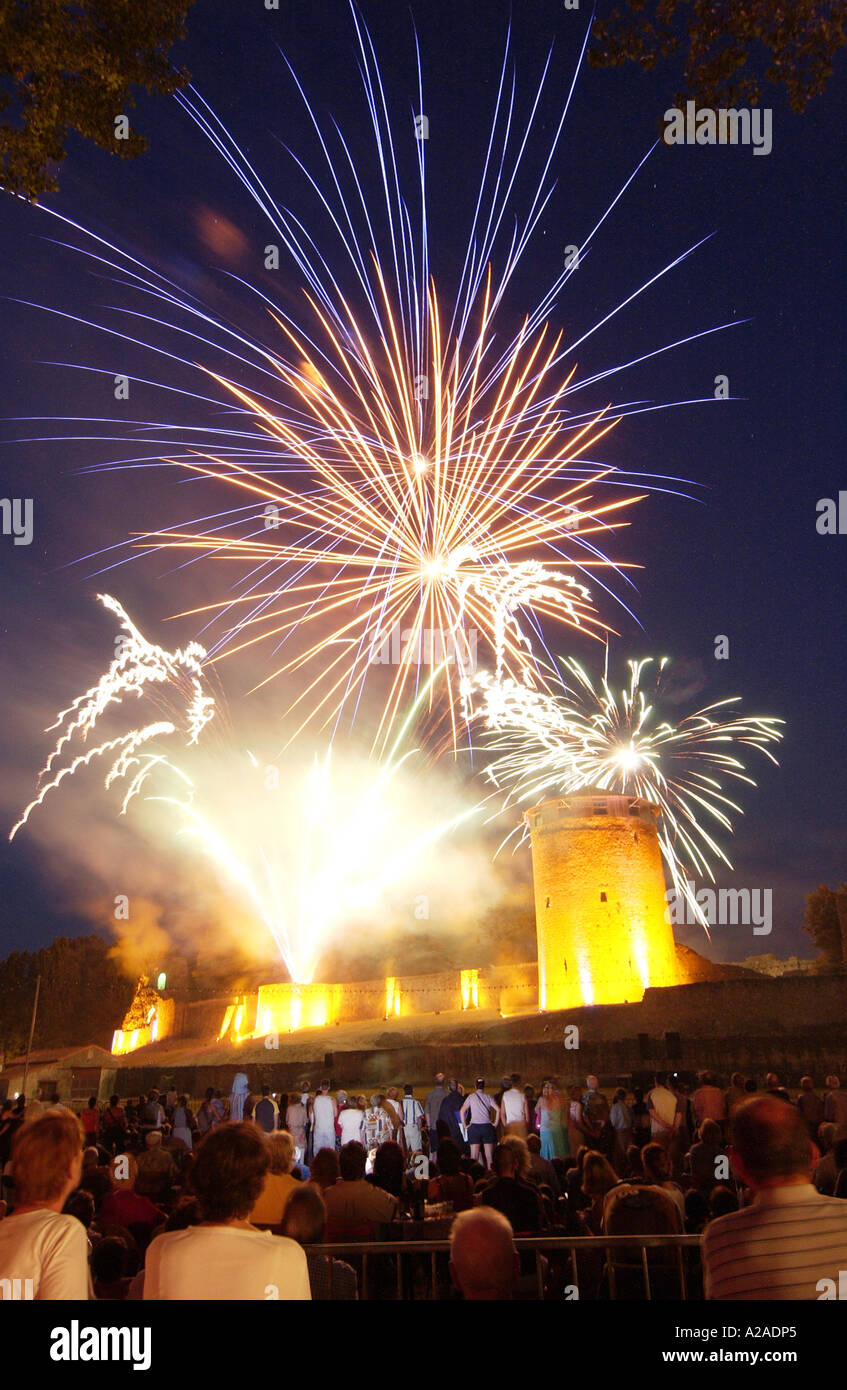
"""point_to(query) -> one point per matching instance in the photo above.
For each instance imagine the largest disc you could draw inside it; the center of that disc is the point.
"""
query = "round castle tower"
(599, 900)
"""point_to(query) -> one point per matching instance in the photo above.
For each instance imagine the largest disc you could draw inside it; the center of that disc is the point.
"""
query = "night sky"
(743, 559)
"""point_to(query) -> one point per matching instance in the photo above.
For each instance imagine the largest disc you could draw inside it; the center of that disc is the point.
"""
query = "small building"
(72, 1073)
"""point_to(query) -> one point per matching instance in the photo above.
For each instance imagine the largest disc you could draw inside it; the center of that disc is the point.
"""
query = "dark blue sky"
(743, 560)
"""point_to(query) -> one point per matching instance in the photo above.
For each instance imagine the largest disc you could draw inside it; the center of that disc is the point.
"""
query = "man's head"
(229, 1171)
(771, 1081)
(533, 1143)
(591, 1083)
(407, 1090)
(807, 1084)
(656, 1164)
(710, 1132)
(706, 1078)
(453, 1086)
(266, 1090)
(771, 1144)
(505, 1161)
(480, 1083)
(439, 1078)
(826, 1135)
(153, 1139)
(47, 1158)
(352, 1162)
(324, 1088)
(737, 1079)
(832, 1083)
(661, 1078)
(483, 1261)
(90, 1158)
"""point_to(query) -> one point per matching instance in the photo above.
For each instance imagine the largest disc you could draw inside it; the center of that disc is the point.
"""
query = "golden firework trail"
(591, 735)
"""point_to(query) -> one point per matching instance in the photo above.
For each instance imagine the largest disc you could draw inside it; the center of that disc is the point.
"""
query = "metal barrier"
(361, 1251)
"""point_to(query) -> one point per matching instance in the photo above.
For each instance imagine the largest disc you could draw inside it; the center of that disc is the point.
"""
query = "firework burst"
(617, 740)
(305, 856)
(398, 461)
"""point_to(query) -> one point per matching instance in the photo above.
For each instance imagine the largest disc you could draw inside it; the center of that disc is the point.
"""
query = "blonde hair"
(281, 1145)
(43, 1155)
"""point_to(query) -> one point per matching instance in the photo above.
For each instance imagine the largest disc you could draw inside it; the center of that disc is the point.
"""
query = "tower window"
(602, 897)
(549, 902)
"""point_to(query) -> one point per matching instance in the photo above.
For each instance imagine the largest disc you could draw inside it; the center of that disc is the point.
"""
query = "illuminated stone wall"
(599, 901)
(284, 1008)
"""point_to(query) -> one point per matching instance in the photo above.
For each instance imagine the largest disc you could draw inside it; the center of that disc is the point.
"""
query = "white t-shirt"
(226, 1263)
(50, 1249)
(351, 1122)
(513, 1105)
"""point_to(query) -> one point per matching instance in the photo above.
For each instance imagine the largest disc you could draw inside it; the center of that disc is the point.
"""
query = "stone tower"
(599, 900)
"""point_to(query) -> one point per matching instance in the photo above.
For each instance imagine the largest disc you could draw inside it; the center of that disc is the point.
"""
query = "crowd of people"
(228, 1198)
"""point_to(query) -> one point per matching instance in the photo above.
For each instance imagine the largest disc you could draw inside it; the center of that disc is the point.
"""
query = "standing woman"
(548, 1117)
(114, 1125)
(392, 1105)
(183, 1122)
(295, 1122)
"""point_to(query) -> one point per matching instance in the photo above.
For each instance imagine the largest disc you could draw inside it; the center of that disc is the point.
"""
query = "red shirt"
(127, 1208)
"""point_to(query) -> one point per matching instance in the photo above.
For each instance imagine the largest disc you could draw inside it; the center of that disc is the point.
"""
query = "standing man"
(478, 1114)
(448, 1115)
(412, 1116)
(664, 1112)
(596, 1117)
(514, 1111)
(266, 1113)
(708, 1102)
(835, 1104)
(432, 1109)
(810, 1106)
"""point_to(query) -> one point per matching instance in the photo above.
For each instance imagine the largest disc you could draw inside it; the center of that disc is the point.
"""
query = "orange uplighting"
(392, 997)
(470, 989)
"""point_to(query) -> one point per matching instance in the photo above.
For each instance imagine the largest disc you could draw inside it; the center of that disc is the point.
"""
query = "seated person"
(305, 1222)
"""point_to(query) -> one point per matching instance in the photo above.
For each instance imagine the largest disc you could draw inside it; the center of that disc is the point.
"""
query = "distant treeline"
(84, 995)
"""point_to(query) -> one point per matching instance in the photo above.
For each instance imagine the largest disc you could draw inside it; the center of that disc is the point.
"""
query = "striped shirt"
(778, 1248)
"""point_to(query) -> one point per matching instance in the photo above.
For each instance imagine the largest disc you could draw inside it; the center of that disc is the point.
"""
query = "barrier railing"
(361, 1251)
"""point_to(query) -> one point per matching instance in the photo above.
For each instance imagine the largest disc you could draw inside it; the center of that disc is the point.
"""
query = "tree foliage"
(731, 47)
(73, 67)
(84, 995)
(822, 924)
